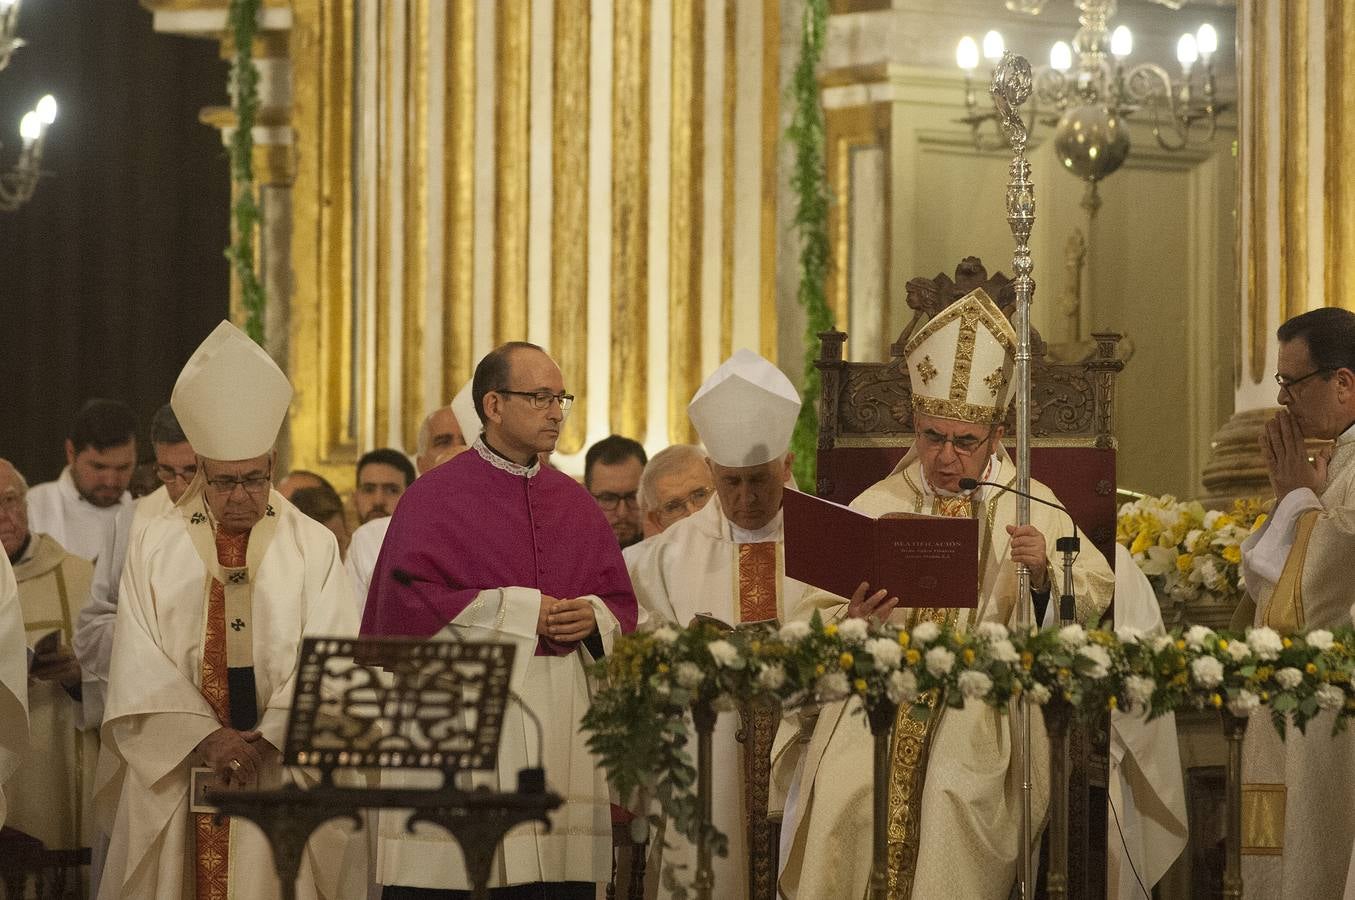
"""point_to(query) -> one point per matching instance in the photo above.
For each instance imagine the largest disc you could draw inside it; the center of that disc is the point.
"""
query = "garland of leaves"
(638, 722)
(809, 181)
(243, 20)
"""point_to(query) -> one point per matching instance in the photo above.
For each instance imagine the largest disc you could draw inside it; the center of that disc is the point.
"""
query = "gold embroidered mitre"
(961, 362)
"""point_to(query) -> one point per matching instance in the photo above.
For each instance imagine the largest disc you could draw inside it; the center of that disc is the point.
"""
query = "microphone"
(1068, 546)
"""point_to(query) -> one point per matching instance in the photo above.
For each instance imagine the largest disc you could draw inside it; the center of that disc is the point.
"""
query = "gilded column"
(731, 90)
(458, 153)
(771, 144)
(1255, 131)
(512, 147)
(415, 219)
(1294, 159)
(1339, 219)
(569, 210)
(685, 215)
(630, 217)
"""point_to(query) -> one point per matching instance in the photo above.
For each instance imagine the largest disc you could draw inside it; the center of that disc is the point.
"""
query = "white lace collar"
(506, 465)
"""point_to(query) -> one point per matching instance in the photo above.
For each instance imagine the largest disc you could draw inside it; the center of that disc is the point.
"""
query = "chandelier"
(20, 181)
(1089, 89)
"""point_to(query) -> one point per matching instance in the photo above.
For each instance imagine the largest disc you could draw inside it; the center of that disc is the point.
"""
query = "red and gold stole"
(757, 581)
(211, 861)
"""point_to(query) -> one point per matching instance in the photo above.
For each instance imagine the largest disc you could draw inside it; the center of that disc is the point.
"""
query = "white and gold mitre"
(745, 411)
(961, 362)
(463, 410)
(231, 397)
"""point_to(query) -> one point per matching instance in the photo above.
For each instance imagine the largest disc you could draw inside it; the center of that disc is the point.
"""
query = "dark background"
(113, 273)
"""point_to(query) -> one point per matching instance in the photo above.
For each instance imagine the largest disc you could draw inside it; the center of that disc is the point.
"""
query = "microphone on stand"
(1068, 546)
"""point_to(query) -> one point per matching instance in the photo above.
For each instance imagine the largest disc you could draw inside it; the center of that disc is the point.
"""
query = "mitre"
(960, 363)
(463, 409)
(231, 397)
(745, 411)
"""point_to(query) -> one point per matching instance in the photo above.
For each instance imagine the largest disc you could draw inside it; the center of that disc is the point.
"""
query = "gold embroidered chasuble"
(49, 795)
(954, 790)
(1298, 828)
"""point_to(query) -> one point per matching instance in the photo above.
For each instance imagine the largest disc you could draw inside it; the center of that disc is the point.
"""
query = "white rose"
(1072, 636)
(885, 652)
(853, 630)
(1264, 642)
(1242, 705)
(725, 654)
(926, 632)
(1329, 696)
(992, 631)
(1139, 690)
(689, 674)
(1003, 651)
(833, 686)
(1289, 678)
(665, 634)
(1100, 660)
(1038, 694)
(975, 684)
(1128, 634)
(1211, 518)
(1238, 650)
(794, 631)
(1197, 635)
(772, 677)
(902, 687)
(940, 661)
(1207, 671)
(1319, 639)
(1162, 642)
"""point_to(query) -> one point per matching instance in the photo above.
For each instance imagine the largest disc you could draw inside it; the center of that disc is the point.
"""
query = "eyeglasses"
(1287, 384)
(674, 508)
(610, 501)
(964, 444)
(169, 474)
(542, 399)
(254, 486)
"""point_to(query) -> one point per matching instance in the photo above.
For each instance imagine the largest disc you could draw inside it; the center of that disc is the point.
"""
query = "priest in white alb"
(728, 561)
(954, 791)
(14, 659)
(216, 596)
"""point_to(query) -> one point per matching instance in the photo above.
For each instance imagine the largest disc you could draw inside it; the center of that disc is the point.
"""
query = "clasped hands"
(1287, 465)
(236, 757)
(566, 621)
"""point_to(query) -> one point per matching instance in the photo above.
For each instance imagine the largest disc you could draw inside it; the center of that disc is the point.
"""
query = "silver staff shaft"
(1011, 87)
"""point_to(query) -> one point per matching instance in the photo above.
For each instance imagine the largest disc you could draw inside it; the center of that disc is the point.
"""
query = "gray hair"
(665, 462)
(19, 476)
(426, 432)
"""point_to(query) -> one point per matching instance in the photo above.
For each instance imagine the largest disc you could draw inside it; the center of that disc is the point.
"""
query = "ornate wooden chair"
(866, 427)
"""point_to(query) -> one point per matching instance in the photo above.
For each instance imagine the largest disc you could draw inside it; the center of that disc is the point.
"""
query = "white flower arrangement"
(974, 685)
(1264, 642)
(854, 630)
(1099, 658)
(940, 661)
(1207, 671)
(925, 632)
(1289, 678)
(725, 654)
(794, 631)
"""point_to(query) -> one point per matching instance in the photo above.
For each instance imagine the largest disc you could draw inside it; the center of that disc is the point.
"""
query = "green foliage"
(243, 18)
(810, 183)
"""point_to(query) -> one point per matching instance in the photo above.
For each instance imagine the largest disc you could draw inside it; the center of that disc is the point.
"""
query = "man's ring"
(235, 765)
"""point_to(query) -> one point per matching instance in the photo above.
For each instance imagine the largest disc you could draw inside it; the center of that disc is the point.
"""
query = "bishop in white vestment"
(14, 657)
(216, 596)
(727, 561)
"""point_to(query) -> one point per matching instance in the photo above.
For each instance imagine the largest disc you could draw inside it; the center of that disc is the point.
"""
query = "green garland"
(809, 181)
(243, 23)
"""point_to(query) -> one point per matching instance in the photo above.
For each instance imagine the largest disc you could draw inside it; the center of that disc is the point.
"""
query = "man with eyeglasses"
(50, 792)
(955, 789)
(1296, 567)
(494, 545)
(676, 483)
(78, 508)
(727, 560)
(217, 594)
(611, 473)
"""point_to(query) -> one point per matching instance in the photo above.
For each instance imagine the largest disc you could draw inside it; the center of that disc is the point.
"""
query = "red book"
(925, 561)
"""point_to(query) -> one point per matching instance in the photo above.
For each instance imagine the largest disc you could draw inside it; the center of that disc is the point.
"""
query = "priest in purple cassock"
(492, 545)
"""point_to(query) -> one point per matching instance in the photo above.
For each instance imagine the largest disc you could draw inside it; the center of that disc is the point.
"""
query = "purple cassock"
(479, 522)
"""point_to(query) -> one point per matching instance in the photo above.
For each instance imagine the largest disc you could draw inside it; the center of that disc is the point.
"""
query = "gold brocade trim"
(957, 409)
(1263, 819)
(1284, 611)
(996, 381)
(757, 581)
(964, 356)
(925, 370)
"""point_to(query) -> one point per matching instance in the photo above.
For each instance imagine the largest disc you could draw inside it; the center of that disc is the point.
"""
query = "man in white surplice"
(728, 561)
(14, 657)
(216, 596)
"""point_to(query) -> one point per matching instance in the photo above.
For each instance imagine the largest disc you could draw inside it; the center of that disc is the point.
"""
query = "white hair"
(425, 431)
(665, 462)
(18, 476)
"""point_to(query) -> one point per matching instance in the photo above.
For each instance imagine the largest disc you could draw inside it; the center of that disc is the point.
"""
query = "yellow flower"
(830, 629)
(968, 656)
(1338, 647)
(1064, 674)
(1265, 672)
(663, 668)
(1260, 520)
(1183, 561)
(1223, 522)
(912, 656)
(1112, 702)
(860, 685)
(1265, 696)
(1232, 553)
(1142, 541)
(1311, 669)
(1216, 700)
(1027, 660)
(903, 639)
(1180, 645)
(820, 669)
(845, 660)
(1287, 643)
